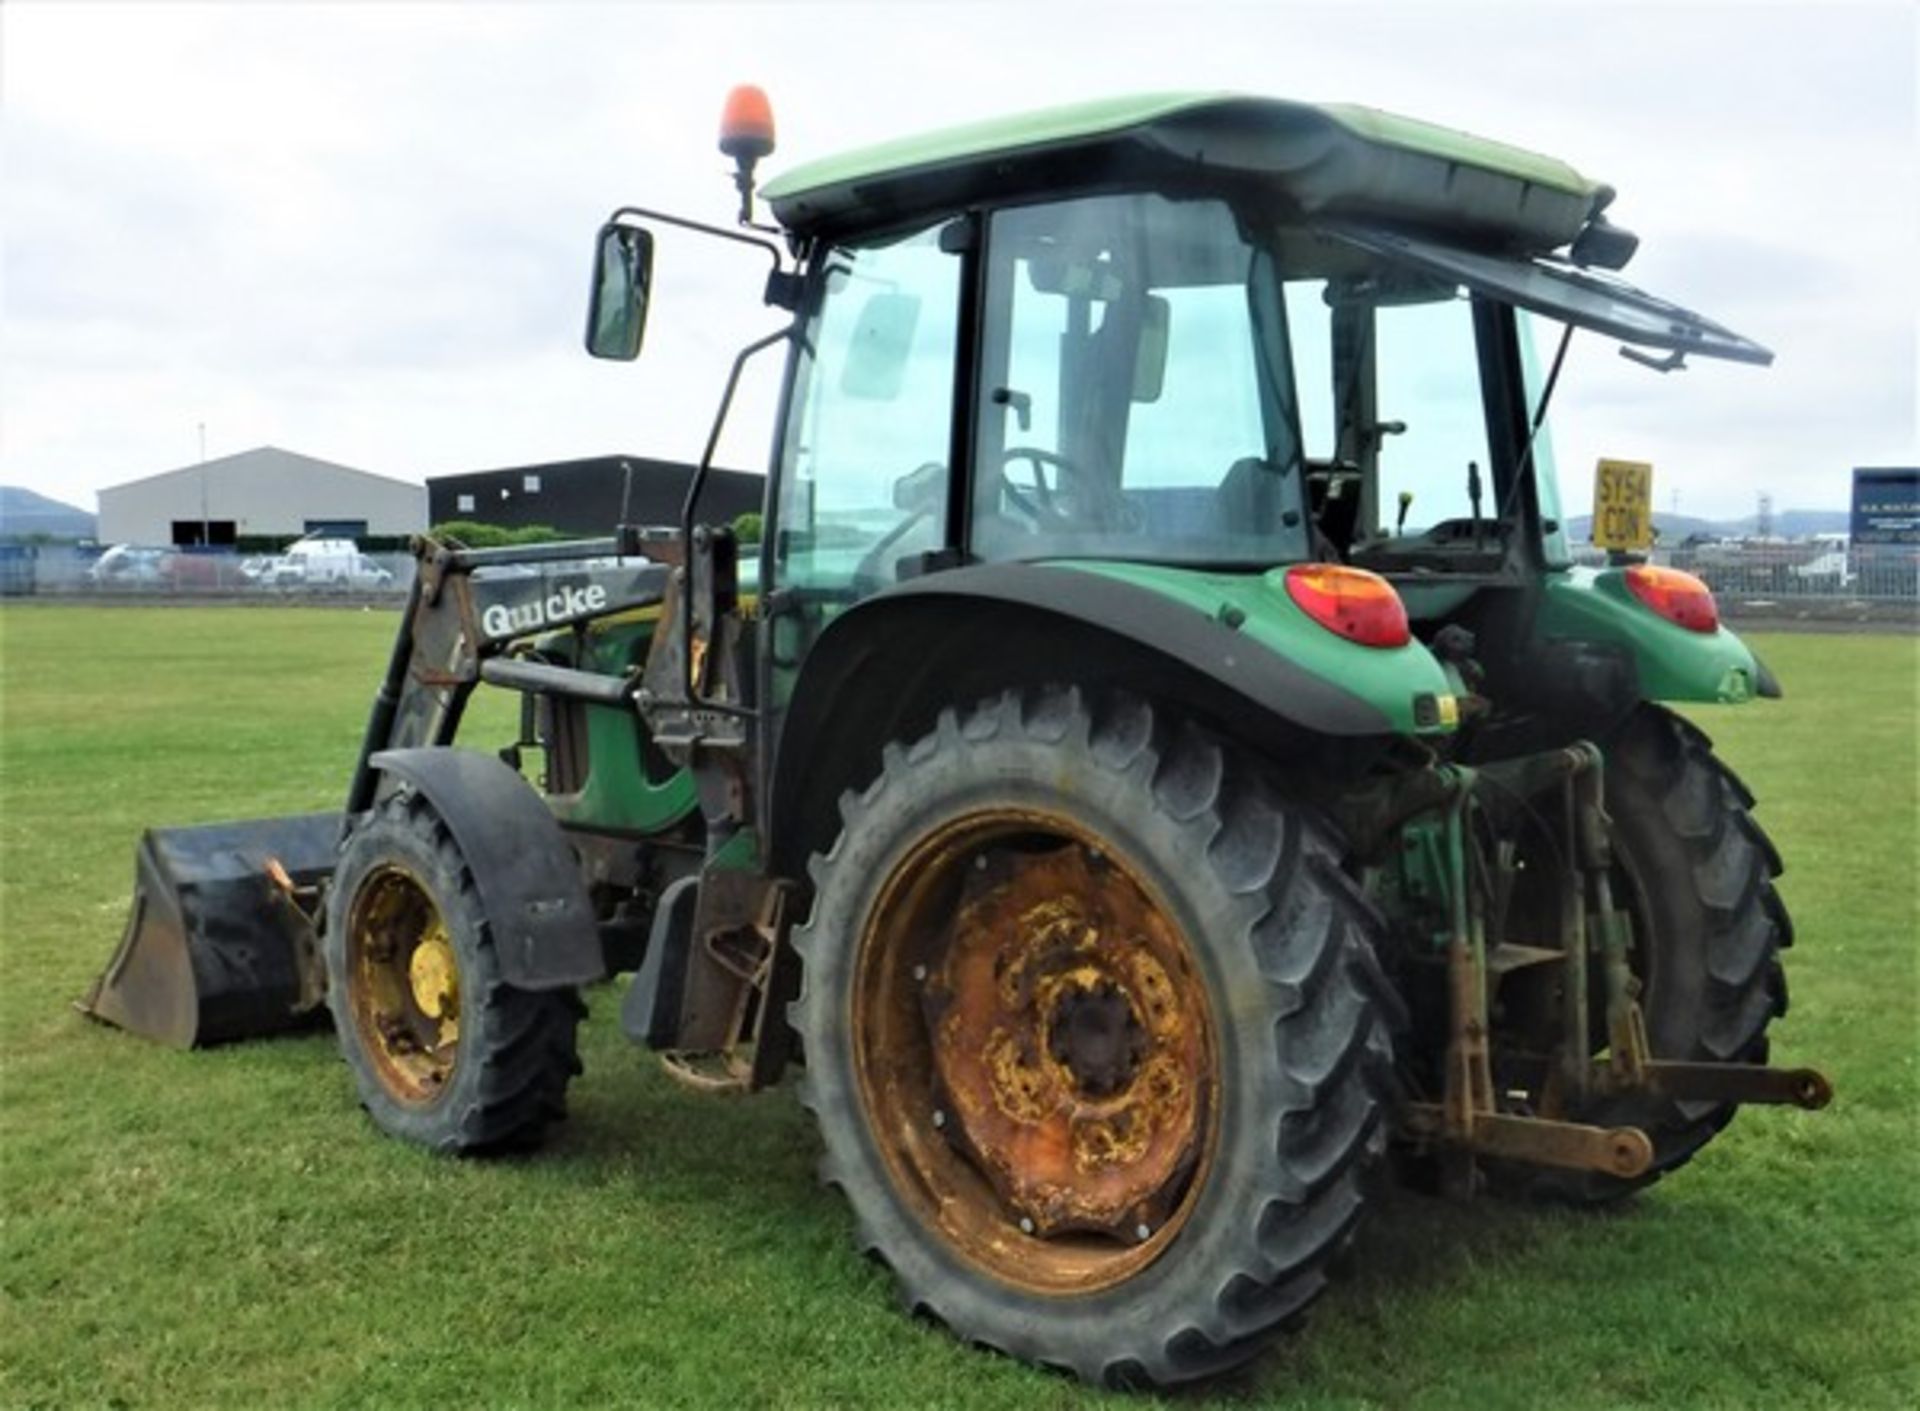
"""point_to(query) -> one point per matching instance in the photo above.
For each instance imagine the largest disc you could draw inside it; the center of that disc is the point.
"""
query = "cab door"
(865, 452)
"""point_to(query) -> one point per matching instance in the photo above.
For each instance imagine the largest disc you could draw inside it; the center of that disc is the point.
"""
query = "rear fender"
(1671, 663)
(885, 667)
(528, 878)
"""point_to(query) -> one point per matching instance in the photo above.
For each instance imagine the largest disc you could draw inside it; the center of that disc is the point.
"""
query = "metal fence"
(1795, 571)
(66, 571)
(1736, 573)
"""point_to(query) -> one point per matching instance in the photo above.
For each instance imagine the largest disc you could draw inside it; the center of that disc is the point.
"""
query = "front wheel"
(1093, 1033)
(443, 1051)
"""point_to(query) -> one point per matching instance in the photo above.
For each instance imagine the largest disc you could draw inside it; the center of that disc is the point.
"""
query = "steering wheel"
(1040, 502)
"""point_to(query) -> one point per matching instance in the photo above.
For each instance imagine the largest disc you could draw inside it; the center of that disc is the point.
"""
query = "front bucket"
(216, 949)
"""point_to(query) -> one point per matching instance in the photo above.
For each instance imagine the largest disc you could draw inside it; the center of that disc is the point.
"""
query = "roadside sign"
(1886, 505)
(1623, 505)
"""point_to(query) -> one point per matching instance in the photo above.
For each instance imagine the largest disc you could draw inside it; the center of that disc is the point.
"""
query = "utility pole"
(206, 523)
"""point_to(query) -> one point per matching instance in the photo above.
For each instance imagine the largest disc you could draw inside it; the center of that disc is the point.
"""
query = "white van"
(329, 561)
(323, 560)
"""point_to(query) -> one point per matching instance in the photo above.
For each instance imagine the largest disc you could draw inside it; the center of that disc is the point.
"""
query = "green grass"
(226, 1228)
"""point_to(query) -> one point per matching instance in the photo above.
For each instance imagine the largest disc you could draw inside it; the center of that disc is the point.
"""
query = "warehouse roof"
(263, 460)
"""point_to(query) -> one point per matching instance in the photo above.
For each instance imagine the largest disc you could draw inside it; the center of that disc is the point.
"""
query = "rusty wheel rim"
(404, 983)
(1035, 1052)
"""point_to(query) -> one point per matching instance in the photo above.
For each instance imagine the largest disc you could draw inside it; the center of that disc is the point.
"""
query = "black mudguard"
(528, 877)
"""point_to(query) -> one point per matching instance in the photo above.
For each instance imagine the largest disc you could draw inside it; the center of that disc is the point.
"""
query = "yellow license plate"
(1623, 505)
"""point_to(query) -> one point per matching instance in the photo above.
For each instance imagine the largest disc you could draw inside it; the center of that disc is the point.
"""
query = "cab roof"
(1318, 160)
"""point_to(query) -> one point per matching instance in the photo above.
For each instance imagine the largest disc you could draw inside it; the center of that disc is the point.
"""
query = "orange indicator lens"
(1678, 597)
(1355, 604)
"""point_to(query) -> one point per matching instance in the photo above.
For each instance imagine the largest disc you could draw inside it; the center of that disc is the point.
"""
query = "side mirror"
(1150, 357)
(617, 307)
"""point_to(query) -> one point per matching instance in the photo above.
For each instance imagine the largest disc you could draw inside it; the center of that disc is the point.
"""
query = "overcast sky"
(362, 232)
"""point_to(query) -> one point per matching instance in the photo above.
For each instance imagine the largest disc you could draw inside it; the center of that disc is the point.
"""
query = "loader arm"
(221, 940)
(468, 606)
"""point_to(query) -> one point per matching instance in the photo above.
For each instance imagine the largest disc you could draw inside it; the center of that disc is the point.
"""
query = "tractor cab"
(1217, 333)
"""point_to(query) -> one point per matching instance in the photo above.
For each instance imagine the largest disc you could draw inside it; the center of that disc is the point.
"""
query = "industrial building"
(262, 493)
(584, 497)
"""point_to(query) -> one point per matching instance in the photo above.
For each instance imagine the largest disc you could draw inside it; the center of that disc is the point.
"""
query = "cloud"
(362, 232)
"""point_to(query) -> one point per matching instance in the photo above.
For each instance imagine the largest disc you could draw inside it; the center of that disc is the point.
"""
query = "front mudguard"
(527, 876)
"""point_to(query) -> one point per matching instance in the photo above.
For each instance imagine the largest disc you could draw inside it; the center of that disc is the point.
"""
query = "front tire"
(1093, 1034)
(444, 1052)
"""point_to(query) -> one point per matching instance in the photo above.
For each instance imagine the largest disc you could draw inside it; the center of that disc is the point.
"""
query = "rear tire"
(1262, 946)
(444, 1052)
(1708, 931)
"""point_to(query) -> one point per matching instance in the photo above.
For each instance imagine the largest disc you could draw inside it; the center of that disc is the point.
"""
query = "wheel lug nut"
(1143, 1232)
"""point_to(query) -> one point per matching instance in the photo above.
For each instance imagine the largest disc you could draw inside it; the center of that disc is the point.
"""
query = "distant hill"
(1788, 524)
(22, 512)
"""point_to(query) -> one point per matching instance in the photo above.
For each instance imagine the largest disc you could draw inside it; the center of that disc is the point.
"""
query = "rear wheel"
(443, 1051)
(1708, 930)
(1092, 1038)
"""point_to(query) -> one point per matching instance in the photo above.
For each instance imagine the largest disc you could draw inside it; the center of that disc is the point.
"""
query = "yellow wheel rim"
(403, 982)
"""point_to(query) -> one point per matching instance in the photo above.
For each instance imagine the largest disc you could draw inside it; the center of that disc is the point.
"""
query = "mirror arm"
(641, 213)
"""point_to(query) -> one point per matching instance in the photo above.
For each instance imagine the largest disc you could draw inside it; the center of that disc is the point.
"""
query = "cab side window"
(865, 483)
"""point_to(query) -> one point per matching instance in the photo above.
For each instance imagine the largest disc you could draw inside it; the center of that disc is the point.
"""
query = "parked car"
(179, 570)
(368, 575)
(277, 571)
(126, 565)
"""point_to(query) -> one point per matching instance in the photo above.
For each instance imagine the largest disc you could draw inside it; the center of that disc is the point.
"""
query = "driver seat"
(1249, 498)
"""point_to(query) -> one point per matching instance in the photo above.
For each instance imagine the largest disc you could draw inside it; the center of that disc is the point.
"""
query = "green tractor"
(1161, 759)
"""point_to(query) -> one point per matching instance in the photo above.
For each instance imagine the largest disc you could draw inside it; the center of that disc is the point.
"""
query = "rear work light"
(1678, 597)
(1351, 602)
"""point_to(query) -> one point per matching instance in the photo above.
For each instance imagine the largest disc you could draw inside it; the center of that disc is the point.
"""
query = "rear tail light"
(1351, 602)
(1678, 597)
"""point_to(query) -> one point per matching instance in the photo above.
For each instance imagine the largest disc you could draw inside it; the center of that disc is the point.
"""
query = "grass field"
(226, 1228)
